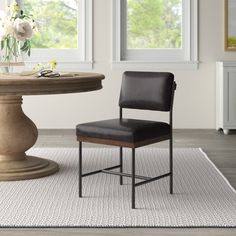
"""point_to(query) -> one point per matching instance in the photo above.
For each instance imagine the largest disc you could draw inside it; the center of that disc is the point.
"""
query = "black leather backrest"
(147, 90)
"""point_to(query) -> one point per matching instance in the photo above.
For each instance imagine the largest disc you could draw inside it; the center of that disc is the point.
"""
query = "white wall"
(195, 96)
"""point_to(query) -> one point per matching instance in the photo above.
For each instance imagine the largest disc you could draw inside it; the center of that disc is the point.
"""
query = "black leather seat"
(139, 90)
(126, 130)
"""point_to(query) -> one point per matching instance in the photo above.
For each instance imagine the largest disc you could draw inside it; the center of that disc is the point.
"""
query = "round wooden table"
(18, 133)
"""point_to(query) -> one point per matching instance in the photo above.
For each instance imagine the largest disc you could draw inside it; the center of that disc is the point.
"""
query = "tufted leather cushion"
(127, 130)
(146, 90)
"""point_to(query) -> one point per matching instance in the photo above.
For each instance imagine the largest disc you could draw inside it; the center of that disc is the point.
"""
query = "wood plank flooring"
(220, 148)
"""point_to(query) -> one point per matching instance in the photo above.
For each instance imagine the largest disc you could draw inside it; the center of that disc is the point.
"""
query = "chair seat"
(126, 130)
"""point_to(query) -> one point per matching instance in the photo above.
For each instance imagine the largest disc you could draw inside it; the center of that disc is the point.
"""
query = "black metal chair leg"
(171, 165)
(80, 169)
(121, 165)
(133, 178)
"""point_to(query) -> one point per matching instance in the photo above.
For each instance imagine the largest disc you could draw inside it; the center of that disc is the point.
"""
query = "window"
(65, 32)
(155, 33)
(58, 23)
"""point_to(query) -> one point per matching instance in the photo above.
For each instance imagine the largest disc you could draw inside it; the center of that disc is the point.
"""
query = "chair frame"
(122, 144)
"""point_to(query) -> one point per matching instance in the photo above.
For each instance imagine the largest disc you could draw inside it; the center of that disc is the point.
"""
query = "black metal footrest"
(152, 179)
(125, 175)
(99, 171)
(145, 178)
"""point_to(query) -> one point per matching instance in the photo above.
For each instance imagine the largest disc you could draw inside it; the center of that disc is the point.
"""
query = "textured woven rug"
(203, 197)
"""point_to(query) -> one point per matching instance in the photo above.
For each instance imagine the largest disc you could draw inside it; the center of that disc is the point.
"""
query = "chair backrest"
(147, 90)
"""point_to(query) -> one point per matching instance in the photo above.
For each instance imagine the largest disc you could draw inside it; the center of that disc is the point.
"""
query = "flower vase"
(16, 31)
(13, 60)
(5, 70)
(12, 67)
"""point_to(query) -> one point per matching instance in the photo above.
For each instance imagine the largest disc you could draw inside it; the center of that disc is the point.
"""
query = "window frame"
(186, 58)
(70, 59)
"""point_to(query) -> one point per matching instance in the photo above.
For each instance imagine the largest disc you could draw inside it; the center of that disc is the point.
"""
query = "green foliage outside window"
(58, 23)
(151, 23)
(154, 23)
(231, 41)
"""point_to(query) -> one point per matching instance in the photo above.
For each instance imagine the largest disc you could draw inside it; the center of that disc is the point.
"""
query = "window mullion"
(81, 26)
(123, 31)
(186, 30)
(116, 33)
(88, 31)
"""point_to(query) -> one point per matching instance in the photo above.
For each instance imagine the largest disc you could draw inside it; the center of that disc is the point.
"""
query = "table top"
(16, 84)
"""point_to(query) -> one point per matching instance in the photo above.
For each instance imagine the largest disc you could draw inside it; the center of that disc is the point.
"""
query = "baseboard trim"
(72, 131)
(56, 131)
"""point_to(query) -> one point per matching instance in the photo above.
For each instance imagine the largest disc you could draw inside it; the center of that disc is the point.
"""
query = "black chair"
(139, 90)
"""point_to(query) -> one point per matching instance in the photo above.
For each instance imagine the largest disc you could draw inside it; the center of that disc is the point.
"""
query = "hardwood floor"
(220, 148)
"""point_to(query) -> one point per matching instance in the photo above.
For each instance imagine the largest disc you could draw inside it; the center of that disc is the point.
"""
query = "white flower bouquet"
(16, 30)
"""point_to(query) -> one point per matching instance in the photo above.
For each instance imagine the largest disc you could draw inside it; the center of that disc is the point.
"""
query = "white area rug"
(203, 197)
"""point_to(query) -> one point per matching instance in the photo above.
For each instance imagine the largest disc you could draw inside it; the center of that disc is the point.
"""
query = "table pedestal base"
(18, 134)
(29, 168)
